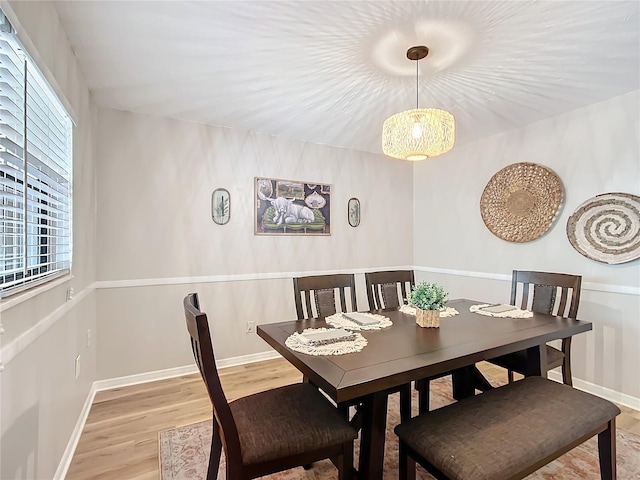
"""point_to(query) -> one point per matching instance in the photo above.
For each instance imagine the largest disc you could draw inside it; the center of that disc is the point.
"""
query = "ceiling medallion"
(419, 133)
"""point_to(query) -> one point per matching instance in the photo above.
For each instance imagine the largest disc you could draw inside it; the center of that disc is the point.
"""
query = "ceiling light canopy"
(419, 133)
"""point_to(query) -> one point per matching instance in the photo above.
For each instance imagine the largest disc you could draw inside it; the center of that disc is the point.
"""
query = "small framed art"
(353, 212)
(221, 206)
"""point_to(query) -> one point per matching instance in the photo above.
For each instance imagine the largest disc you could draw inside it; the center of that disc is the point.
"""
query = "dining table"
(405, 352)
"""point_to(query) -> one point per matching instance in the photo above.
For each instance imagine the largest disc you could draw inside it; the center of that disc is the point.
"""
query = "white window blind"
(35, 172)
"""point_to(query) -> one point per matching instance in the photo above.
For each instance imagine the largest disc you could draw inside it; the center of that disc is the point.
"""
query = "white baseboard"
(146, 377)
(139, 378)
(602, 392)
(67, 456)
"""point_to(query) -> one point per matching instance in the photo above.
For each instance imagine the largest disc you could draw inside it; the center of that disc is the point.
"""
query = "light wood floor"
(120, 437)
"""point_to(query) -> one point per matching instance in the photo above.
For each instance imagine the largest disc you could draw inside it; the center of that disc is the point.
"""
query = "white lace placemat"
(445, 312)
(299, 343)
(340, 321)
(517, 313)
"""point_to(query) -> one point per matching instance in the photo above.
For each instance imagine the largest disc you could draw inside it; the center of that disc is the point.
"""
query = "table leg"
(462, 383)
(536, 361)
(374, 424)
(466, 380)
(422, 386)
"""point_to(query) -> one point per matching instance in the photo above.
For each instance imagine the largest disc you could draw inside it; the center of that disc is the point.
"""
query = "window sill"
(19, 297)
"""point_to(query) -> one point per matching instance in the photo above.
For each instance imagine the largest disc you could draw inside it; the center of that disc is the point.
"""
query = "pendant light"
(419, 133)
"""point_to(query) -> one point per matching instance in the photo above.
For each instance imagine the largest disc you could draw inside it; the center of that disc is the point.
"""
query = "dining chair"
(270, 431)
(316, 295)
(543, 292)
(388, 289)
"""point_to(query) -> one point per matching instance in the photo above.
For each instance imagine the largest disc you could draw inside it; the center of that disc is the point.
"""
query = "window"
(35, 172)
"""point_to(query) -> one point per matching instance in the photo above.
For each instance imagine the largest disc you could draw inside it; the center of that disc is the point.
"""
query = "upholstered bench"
(508, 432)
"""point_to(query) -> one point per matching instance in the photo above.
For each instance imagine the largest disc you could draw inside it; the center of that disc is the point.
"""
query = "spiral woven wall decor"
(521, 201)
(606, 228)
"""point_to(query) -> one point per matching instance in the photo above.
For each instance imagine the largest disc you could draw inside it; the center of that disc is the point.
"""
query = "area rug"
(184, 451)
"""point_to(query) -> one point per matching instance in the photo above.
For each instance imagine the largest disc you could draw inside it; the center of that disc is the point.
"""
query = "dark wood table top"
(405, 352)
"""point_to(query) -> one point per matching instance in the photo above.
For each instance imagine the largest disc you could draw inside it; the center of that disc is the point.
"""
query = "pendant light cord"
(416, 84)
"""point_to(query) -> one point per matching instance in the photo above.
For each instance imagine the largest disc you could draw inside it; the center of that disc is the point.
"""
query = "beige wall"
(155, 180)
(593, 150)
(41, 399)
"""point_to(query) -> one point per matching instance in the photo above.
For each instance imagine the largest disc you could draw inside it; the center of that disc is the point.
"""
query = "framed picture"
(291, 207)
(353, 212)
(221, 206)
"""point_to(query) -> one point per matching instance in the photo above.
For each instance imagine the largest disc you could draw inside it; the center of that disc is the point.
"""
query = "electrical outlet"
(251, 327)
(69, 293)
(77, 367)
(88, 337)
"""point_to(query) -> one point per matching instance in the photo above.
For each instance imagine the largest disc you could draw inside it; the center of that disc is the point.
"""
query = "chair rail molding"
(597, 287)
(17, 345)
(150, 282)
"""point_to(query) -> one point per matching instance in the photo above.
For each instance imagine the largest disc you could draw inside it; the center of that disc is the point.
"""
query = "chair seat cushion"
(498, 434)
(516, 361)
(286, 421)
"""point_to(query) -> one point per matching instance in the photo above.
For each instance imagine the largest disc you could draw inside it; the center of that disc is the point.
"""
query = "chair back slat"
(389, 293)
(562, 305)
(382, 288)
(374, 295)
(326, 302)
(307, 302)
(320, 292)
(545, 298)
(524, 304)
(343, 302)
(405, 288)
(198, 328)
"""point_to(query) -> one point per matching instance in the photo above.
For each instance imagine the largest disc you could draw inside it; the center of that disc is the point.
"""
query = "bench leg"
(607, 451)
(406, 464)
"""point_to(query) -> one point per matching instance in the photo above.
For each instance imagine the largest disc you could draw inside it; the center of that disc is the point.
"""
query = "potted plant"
(428, 299)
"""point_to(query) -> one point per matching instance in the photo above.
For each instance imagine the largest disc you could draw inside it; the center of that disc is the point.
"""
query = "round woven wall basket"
(521, 201)
(606, 228)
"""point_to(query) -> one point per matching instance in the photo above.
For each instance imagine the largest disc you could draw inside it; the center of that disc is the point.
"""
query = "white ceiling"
(332, 72)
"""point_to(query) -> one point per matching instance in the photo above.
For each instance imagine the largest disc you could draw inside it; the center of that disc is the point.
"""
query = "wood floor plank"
(120, 437)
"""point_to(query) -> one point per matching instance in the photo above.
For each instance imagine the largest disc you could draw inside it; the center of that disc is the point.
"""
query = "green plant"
(428, 296)
(222, 208)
